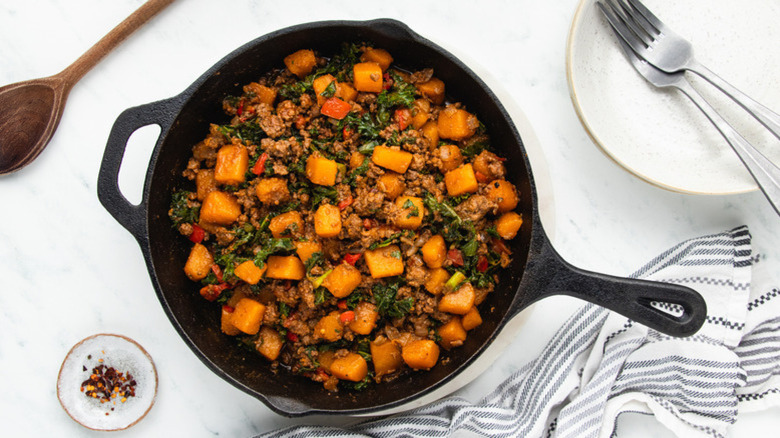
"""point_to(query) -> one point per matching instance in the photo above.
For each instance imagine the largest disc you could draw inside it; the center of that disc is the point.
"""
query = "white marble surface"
(69, 270)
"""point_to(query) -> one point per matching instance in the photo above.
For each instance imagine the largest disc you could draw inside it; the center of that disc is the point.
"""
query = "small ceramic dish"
(659, 135)
(107, 355)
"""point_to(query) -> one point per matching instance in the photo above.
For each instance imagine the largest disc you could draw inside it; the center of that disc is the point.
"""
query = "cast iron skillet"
(536, 272)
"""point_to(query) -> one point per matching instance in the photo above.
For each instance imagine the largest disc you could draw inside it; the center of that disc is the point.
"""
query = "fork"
(659, 45)
(766, 174)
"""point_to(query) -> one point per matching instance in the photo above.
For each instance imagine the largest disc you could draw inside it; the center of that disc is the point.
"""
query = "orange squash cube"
(421, 354)
(321, 170)
(434, 251)
(342, 280)
(391, 184)
(226, 325)
(436, 280)
(421, 112)
(458, 302)
(508, 225)
(301, 63)
(269, 343)
(433, 89)
(461, 180)
(264, 94)
(384, 262)
(351, 367)
(198, 263)
(272, 191)
(329, 328)
(286, 225)
(232, 164)
(471, 319)
(285, 268)
(367, 76)
(503, 193)
(456, 124)
(248, 315)
(220, 208)
(386, 357)
(327, 221)
(366, 315)
(379, 56)
(393, 159)
(449, 157)
(319, 85)
(205, 183)
(249, 272)
(306, 249)
(452, 333)
(430, 132)
(411, 212)
(326, 358)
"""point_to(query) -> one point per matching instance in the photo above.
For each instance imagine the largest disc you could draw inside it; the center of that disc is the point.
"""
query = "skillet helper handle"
(628, 296)
(132, 217)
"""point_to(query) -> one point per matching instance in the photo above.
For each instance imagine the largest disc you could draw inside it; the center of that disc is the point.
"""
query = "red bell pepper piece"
(217, 272)
(212, 291)
(344, 203)
(368, 223)
(481, 177)
(292, 337)
(455, 256)
(352, 258)
(228, 309)
(336, 108)
(403, 116)
(387, 81)
(197, 234)
(342, 304)
(347, 316)
(499, 245)
(482, 264)
(259, 166)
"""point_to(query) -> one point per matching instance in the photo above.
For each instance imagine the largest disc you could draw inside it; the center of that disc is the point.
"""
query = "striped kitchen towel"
(601, 364)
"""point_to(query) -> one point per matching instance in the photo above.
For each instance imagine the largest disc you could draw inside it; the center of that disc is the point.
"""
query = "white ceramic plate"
(659, 135)
(125, 356)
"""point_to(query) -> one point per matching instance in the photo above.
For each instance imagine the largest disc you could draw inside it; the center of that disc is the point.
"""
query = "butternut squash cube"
(269, 343)
(421, 354)
(508, 225)
(411, 212)
(226, 325)
(458, 302)
(471, 319)
(327, 221)
(321, 170)
(356, 159)
(346, 92)
(326, 358)
(461, 180)
(379, 56)
(391, 184)
(272, 191)
(366, 315)
(452, 333)
(393, 159)
(433, 89)
(436, 280)
(421, 112)
(306, 249)
(434, 252)
(248, 315)
(285, 268)
(430, 132)
(386, 357)
(301, 63)
(351, 367)
(384, 262)
(249, 272)
(489, 165)
(220, 208)
(503, 193)
(449, 156)
(264, 94)
(198, 263)
(342, 280)
(205, 183)
(329, 328)
(286, 224)
(320, 84)
(367, 76)
(232, 164)
(456, 124)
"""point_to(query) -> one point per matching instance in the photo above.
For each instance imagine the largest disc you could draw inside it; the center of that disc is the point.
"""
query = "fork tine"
(612, 19)
(624, 14)
(649, 16)
(620, 27)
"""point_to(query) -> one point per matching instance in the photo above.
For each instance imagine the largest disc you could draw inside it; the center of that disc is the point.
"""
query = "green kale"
(181, 211)
(320, 193)
(387, 303)
(273, 246)
(248, 132)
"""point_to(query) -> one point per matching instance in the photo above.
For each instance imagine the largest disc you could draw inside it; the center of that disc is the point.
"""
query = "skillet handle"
(132, 217)
(549, 274)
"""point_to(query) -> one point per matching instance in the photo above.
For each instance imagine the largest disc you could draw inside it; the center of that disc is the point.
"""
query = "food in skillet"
(349, 220)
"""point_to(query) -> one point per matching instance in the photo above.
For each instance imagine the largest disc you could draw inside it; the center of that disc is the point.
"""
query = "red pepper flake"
(347, 316)
(346, 202)
(106, 382)
(259, 166)
(482, 264)
(346, 132)
(352, 258)
(240, 109)
(455, 256)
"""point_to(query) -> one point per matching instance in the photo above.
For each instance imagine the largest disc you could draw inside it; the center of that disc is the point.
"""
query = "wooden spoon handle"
(91, 57)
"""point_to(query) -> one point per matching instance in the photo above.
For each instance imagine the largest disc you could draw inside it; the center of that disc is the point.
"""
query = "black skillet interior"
(198, 320)
(185, 119)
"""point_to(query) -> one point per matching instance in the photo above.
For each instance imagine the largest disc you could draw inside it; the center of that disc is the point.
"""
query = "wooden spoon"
(31, 110)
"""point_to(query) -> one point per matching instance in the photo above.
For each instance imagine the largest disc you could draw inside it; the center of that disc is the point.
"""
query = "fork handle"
(767, 117)
(765, 173)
